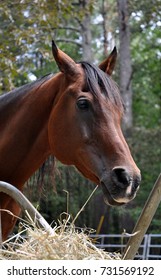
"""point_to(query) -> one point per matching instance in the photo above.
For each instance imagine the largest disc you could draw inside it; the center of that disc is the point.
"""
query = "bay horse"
(74, 115)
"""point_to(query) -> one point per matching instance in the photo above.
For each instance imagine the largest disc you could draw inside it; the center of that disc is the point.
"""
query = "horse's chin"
(108, 199)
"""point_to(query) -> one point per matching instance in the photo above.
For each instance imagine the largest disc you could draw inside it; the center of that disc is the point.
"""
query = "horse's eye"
(83, 104)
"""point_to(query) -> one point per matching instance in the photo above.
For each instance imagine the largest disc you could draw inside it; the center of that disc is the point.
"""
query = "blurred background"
(88, 30)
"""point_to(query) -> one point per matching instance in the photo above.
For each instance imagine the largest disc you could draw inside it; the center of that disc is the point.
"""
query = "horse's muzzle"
(120, 186)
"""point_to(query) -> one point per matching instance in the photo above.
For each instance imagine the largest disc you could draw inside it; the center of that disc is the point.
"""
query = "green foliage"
(146, 77)
(146, 148)
(26, 31)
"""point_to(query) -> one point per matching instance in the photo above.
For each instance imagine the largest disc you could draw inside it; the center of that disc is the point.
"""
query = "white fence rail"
(150, 248)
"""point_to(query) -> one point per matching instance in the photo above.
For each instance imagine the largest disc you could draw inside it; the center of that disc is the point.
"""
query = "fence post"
(143, 221)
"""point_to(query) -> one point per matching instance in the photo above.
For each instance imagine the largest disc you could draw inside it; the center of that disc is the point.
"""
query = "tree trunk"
(86, 32)
(104, 26)
(125, 64)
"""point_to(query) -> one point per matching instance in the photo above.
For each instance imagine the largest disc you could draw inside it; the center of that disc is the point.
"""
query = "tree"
(31, 26)
(85, 31)
(125, 74)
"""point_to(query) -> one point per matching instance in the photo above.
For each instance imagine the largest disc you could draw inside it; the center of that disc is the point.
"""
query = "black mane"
(15, 93)
(94, 77)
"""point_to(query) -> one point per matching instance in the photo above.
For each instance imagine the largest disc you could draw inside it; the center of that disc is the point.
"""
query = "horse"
(74, 115)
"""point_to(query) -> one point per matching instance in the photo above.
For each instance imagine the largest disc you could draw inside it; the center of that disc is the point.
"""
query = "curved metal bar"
(25, 205)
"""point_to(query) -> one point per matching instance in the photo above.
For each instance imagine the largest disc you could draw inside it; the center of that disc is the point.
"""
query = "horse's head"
(85, 127)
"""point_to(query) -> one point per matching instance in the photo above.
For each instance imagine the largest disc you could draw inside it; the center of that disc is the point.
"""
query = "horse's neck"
(24, 142)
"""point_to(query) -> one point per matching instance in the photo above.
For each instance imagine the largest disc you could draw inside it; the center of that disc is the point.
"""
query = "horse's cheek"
(59, 141)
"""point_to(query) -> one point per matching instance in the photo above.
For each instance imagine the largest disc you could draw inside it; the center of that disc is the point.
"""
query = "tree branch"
(69, 41)
(66, 28)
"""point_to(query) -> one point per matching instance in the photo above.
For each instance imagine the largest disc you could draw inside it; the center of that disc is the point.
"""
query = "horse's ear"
(64, 62)
(108, 64)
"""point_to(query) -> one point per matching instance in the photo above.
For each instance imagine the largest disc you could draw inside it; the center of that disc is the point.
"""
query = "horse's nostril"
(121, 177)
(137, 182)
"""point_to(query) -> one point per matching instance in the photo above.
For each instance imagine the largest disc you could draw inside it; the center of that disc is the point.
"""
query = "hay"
(66, 243)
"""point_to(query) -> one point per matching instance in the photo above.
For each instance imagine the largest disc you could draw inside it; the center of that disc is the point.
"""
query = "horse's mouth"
(108, 199)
